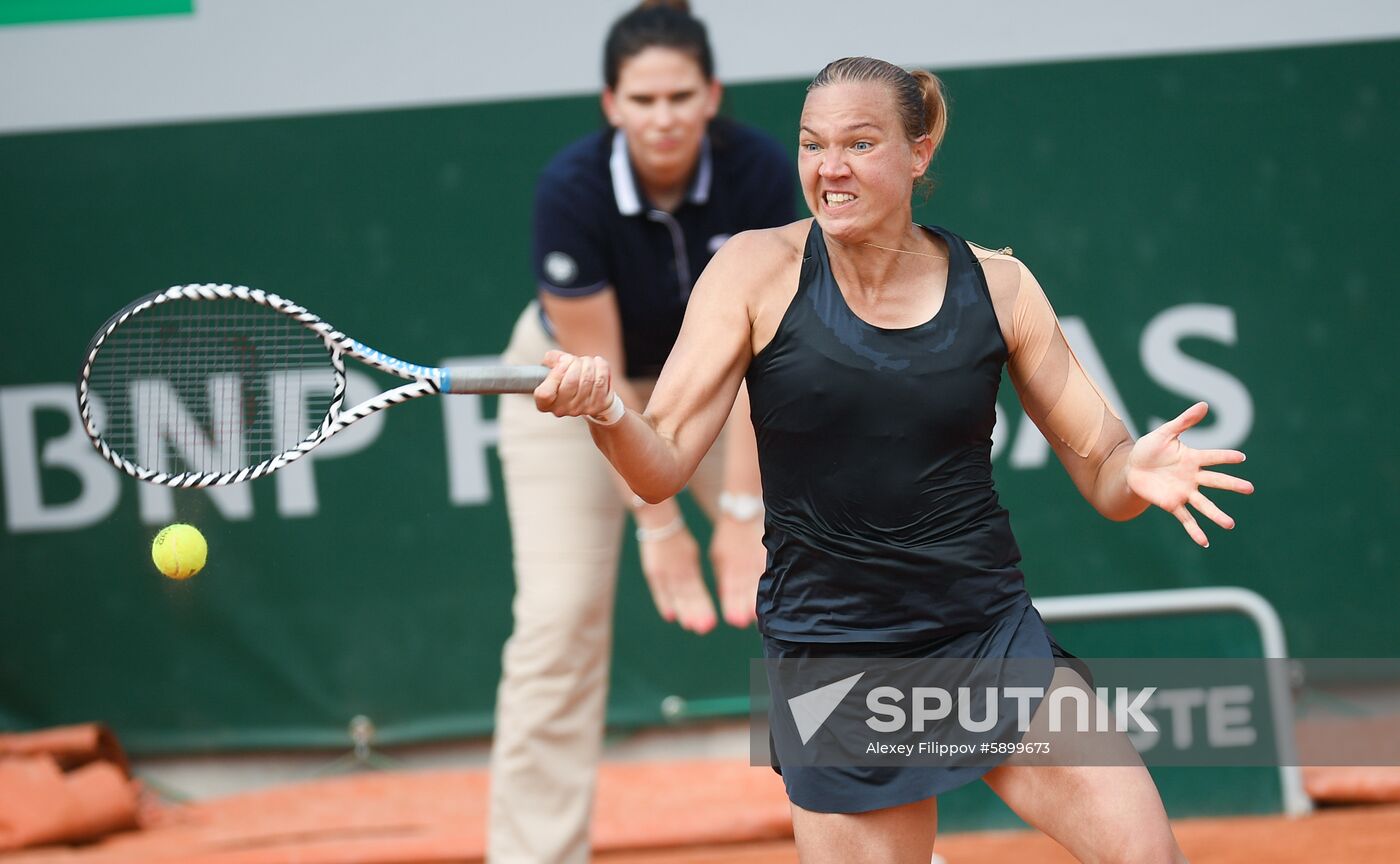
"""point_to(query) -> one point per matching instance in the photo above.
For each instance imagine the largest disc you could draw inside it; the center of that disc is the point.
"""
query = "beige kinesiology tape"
(1054, 388)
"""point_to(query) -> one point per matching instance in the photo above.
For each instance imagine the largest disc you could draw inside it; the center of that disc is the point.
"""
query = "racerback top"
(882, 522)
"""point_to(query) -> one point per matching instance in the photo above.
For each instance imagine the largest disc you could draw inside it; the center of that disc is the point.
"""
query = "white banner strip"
(257, 58)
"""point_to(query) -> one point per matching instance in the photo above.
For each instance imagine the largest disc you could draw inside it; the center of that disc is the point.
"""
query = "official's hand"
(575, 387)
(1163, 471)
(739, 558)
(671, 565)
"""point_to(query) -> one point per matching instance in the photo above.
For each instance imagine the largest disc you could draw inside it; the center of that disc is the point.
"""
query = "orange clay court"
(710, 811)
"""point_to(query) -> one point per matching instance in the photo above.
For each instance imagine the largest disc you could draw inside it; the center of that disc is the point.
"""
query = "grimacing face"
(856, 164)
(662, 103)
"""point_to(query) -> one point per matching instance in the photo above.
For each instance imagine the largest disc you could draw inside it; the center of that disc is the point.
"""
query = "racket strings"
(210, 386)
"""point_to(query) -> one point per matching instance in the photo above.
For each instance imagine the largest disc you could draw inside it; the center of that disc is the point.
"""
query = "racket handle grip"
(492, 379)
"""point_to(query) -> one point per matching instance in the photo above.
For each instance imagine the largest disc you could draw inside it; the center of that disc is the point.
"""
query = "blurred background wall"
(1206, 191)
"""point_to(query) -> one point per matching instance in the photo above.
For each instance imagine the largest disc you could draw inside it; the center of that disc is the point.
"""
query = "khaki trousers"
(566, 519)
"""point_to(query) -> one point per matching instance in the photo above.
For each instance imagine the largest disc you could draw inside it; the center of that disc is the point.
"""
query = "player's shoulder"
(752, 264)
(1005, 273)
(762, 251)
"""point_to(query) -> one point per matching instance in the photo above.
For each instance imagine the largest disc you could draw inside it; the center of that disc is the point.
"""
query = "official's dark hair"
(656, 24)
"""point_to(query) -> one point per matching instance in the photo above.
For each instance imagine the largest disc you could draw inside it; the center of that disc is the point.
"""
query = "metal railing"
(1193, 601)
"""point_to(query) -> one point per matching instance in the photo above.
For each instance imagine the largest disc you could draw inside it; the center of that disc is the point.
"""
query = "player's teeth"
(839, 197)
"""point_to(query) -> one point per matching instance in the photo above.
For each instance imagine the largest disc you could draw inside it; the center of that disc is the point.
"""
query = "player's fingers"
(1186, 419)
(1216, 480)
(545, 393)
(566, 391)
(1208, 509)
(1220, 457)
(1192, 529)
(602, 382)
(548, 392)
(584, 396)
(553, 356)
(568, 385)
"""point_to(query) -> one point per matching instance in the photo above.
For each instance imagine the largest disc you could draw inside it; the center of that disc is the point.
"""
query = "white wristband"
(646, 535)
(612, 416)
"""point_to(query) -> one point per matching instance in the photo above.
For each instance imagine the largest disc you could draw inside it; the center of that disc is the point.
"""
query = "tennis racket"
(207, 385)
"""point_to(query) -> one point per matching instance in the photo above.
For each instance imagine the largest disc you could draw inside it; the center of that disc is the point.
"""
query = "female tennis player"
(624, 221)
(873, 348)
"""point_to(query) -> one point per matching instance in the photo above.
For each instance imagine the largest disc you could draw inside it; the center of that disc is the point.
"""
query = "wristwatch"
(740, 507)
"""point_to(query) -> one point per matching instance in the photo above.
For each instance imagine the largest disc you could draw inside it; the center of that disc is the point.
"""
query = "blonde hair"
(918, 95)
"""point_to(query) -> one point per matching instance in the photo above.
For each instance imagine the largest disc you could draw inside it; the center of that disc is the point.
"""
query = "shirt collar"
(624, 181)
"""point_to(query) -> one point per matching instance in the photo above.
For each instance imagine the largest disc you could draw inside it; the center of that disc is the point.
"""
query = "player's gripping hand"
(575, 387)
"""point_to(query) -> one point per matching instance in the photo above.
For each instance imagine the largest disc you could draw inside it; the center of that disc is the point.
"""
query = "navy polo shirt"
(594, 228)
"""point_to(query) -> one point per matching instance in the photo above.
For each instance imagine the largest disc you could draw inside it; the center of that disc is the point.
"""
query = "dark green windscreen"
(1228, 211)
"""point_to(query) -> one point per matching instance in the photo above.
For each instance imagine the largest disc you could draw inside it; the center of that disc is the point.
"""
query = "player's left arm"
(1120, 477)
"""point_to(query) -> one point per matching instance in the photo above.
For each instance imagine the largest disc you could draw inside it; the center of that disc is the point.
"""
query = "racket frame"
(423, 381)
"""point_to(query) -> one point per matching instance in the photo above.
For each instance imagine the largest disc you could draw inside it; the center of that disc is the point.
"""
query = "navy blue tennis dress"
(885, 536)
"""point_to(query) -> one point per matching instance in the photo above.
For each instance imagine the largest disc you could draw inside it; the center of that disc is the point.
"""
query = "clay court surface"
(1367, 835)
(698, 812)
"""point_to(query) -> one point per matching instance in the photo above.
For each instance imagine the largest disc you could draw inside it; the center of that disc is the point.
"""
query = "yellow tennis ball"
(179, 551)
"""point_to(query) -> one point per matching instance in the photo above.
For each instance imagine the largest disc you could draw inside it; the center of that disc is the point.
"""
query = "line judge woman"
(625, 219)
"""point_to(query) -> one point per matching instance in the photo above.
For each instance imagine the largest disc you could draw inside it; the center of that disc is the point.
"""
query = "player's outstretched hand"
(1165, 472)
(575, 387)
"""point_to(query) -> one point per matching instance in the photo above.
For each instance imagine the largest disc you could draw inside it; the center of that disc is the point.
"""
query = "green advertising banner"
(36, 11)
(1208, 227)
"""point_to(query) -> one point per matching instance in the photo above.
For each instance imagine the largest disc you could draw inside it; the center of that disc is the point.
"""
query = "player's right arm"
(576, 294)
(581, 306)
(657, 451)
(591, 326)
